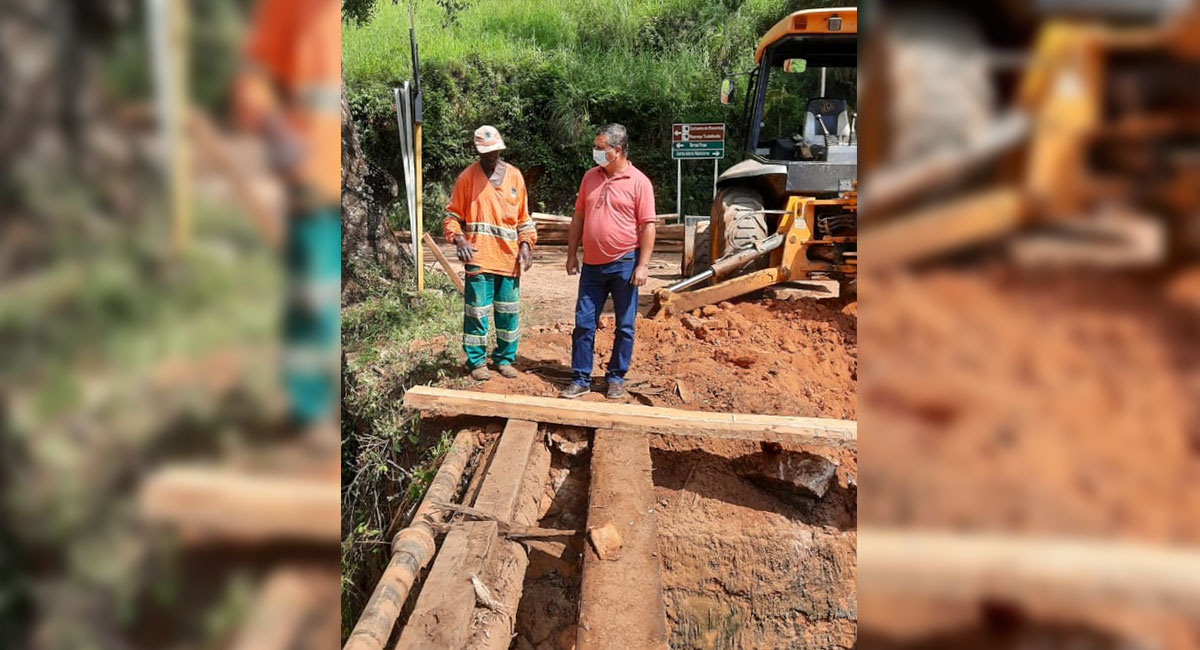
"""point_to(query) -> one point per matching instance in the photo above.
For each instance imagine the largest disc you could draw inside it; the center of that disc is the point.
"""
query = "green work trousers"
(312, 313)
(484, 292)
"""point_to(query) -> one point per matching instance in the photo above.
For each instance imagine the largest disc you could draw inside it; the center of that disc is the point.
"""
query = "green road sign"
(681, 150)
(699, 153)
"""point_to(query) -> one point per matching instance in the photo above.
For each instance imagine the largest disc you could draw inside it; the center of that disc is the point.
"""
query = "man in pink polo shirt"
(614, 219)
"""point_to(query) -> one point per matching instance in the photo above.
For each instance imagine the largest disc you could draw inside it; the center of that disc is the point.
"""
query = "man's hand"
(525, 256)
(639, 275)
(464, 250)
(572, 265)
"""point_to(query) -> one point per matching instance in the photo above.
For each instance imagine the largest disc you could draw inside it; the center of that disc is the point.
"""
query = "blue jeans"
(596, 283)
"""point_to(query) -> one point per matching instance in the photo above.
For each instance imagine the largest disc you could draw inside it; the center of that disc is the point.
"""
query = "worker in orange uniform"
(289, 92)
(488, 222)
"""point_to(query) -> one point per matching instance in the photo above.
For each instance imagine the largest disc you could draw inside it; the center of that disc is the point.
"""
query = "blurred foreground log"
(212, 503)
(913, 563)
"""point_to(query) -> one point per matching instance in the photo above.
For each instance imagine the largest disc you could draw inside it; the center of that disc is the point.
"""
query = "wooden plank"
(437, 253)
(647, 419)
(269, 223)
(505, 576)
(689, 251)
(622, 494)
(444, 609)
(665, 232)
(913, 563)
(498, 495)
(442, 617)
(542, 217)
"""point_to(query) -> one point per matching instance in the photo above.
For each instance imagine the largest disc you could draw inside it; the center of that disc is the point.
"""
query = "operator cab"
(804, 93)
(800, 108)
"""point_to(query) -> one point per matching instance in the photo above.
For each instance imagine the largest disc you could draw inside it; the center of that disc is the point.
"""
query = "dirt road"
(549, 293)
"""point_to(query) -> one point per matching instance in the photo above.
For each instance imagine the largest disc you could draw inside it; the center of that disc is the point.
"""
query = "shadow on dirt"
(677, 470)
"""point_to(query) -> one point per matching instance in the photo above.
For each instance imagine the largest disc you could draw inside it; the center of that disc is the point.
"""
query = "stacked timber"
(553, 230)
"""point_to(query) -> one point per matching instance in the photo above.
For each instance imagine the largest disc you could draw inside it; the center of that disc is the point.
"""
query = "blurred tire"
(938, 79)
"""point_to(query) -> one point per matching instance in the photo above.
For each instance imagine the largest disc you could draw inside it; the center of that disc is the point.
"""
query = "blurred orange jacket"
(294, 70)
(495, 220)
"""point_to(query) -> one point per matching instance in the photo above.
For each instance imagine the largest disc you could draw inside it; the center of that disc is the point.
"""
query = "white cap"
(487, 138)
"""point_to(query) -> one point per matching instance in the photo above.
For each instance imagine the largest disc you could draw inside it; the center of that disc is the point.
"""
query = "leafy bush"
(547, 73)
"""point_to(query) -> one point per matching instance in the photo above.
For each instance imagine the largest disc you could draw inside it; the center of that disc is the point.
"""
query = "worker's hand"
(464, 250)
(639, 275)
(285, 149)
(572, 264)
(525, 256)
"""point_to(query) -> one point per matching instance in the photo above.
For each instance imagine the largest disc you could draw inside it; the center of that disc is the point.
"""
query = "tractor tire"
(939, 84)
(737, 216)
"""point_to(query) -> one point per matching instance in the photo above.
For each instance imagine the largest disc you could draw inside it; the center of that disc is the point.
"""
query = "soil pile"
(1062, 404)
(781, 358)
(1067, 404)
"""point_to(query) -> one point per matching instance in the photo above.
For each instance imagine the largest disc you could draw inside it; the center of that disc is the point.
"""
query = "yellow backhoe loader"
(788, 211)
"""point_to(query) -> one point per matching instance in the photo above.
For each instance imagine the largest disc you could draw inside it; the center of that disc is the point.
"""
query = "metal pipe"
(731, 263)
(691, 282)
(412, 548)
(899, 183)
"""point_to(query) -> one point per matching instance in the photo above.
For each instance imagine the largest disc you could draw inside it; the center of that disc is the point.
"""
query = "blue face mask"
(599, 156)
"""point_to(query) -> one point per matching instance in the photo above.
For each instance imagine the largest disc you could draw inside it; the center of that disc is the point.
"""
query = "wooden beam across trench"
(636, 417)
(621, 599)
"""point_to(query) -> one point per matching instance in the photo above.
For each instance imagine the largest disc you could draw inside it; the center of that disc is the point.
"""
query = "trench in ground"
(742, 565)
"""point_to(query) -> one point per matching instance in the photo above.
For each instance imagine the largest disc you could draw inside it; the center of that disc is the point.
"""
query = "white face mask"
(599, 156)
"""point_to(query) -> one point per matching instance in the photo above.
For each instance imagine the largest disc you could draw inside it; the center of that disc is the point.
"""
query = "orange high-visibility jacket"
(295, 65)
(495, 220)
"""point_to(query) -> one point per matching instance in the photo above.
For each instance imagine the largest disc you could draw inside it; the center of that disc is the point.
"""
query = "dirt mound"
(1032, 404)
(1067, 405)
(784, 358)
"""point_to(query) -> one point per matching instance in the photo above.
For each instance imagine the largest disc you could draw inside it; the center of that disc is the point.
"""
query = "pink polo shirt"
(613, 208)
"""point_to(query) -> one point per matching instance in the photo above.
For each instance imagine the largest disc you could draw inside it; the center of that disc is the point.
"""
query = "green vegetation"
(547, 73)
(109, 342)
(388, 460)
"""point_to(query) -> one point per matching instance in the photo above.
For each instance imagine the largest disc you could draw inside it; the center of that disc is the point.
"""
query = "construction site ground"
(743, 564)
(1034, 403)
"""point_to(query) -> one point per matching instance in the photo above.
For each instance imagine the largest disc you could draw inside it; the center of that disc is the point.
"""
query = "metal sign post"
(405, 123)
(695, 141)
(409, 116)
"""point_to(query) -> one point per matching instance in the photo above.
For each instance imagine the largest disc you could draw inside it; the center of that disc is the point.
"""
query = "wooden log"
(505, 575)
(445, 607)
(285, 607)
(912, 563)
(213, 503)
(647, 419)
(442, 618)
(437, 253)
(412, 548)
(622, 495)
